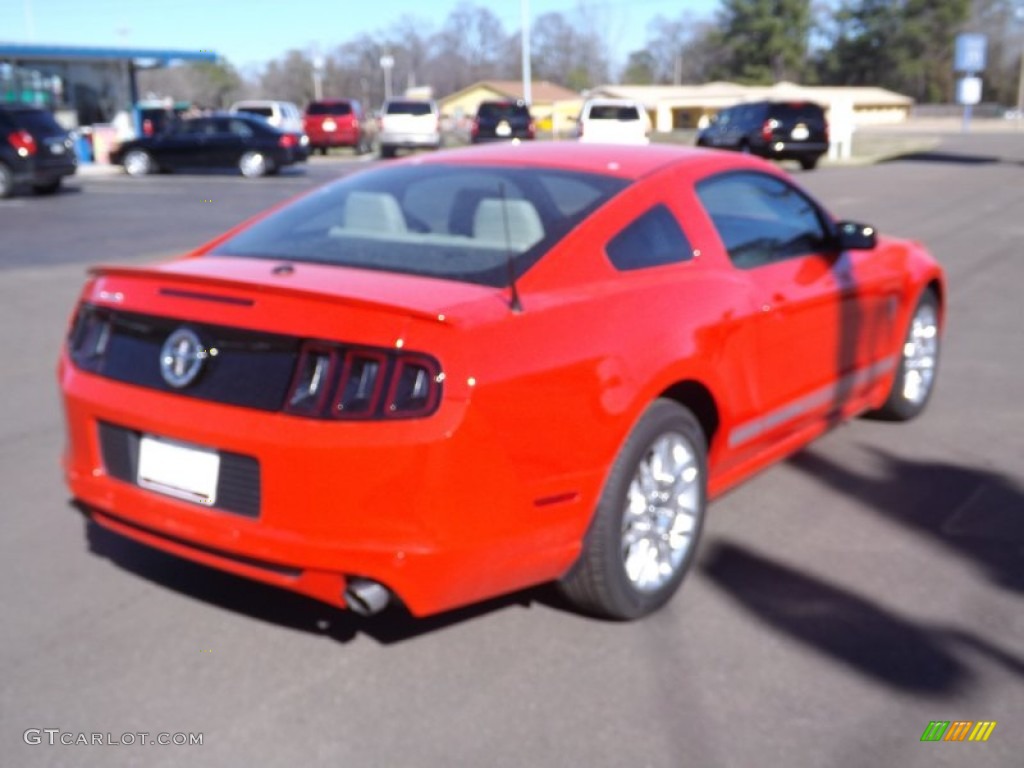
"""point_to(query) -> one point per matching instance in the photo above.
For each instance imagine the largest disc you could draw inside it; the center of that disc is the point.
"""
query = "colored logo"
(958, 730)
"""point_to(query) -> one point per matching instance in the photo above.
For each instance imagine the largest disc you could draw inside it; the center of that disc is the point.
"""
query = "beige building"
(552, 106)
(681, 107)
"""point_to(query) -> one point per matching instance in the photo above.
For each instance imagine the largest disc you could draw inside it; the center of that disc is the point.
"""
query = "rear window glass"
(607, 112)
(408, 108)
(502, 110)
(35, 121)
(789, 112)
(452, 222)
(329, 109)
(261, 111)
(652, 240)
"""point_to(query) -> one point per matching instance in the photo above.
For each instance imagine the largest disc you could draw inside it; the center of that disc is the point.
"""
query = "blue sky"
(249, 32)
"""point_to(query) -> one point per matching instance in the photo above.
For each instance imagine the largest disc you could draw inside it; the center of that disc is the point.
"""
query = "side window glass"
(762, 219)
(240, 128)
(652, 240)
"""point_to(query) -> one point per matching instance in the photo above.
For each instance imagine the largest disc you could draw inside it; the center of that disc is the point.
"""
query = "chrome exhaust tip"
(365, 597)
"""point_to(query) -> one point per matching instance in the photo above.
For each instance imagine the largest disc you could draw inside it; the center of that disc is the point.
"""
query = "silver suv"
(408, 124)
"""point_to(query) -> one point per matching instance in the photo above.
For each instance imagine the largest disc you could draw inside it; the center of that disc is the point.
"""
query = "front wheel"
(253, 165)
(918, 363)
(138, 163)
(648, 520)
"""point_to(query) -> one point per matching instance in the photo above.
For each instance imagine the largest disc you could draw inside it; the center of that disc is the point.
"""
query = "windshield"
(452, 222)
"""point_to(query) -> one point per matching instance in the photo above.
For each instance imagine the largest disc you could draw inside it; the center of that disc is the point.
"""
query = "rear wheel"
(253, 165)
(138, 162)
(6, 181)
(809, 163)
(387, 151)
(918, 363)
(648, 521)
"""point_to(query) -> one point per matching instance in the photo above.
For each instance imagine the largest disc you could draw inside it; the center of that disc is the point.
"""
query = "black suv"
(793, 130)
(502, 121)
(34, 149)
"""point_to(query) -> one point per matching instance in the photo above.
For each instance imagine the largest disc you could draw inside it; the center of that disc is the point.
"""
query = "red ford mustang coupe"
(453, 377)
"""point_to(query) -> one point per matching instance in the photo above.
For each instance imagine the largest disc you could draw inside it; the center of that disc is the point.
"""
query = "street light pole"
(387, 63)
(524, 16)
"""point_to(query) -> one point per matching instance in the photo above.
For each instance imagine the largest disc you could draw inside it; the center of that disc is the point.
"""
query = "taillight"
(363, 383)
(827, 139)
(475, 130)
(89, 337)
(23, 143)
(531, 130)
(768, 129)
(287, 141)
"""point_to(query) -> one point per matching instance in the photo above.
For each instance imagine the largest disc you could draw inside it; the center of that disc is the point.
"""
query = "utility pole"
(524, 14)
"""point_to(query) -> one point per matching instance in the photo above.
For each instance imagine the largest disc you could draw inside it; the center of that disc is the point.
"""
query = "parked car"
(34, 150)
(459, 375)
(336, 123)
(240, 141)
(781, 130)
(502, 121)
(283, 115)
(408, 124)
(613, 121)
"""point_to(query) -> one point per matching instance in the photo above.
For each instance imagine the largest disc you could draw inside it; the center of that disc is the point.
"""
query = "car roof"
(622, 161)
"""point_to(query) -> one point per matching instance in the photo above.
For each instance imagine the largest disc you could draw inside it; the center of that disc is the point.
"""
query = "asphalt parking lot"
(842, 601)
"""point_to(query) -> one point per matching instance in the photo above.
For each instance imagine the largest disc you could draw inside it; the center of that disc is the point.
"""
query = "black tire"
(138, 162)
(906, 402)
(323, 151)
(6, 181)
(599, 583)
(809, 163)
(49, 188)
(387, 151)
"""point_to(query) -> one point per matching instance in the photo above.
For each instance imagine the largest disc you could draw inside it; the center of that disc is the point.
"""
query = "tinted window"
(495, 110)
(652, 240)
(452, 222)
(36, 121)
(762, 219)
(408, 108)
(261, 111)
(795, 112)
(329, 109)
(609, 112)
(240, 128)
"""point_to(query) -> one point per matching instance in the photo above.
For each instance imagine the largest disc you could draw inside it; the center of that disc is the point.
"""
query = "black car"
(502, 121)
(781, 130)
(34, 149)
(240, 141)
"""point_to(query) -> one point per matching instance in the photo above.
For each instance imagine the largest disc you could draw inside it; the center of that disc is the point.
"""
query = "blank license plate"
(177, 469)
(800, 133)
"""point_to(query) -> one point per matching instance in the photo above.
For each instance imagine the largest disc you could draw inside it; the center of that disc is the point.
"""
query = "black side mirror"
(851, 236)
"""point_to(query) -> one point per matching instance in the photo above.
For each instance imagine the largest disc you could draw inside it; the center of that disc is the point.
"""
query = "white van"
(283, 115)
(613, 121)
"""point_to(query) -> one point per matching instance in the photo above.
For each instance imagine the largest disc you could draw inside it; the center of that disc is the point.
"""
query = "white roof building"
(674, 107)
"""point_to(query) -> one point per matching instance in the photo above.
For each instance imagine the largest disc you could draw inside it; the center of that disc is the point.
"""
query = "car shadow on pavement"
(976, 513)
(279, 606)
(949, 157)
(849, 628)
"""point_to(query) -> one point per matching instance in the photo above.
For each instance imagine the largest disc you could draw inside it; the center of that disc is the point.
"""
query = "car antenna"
(514, 303)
